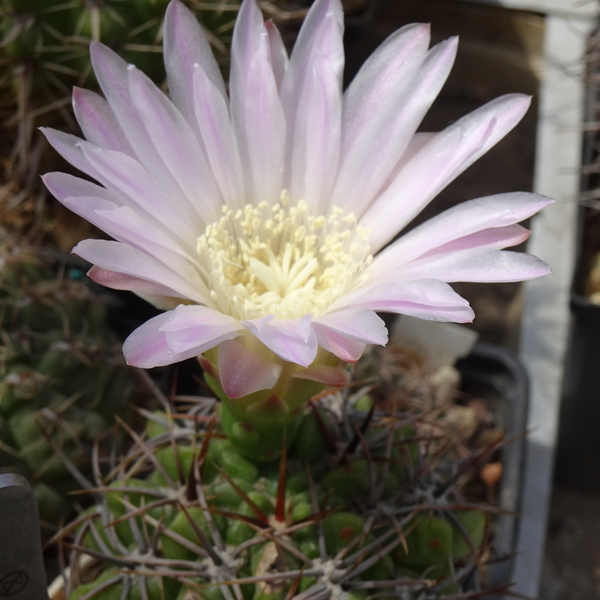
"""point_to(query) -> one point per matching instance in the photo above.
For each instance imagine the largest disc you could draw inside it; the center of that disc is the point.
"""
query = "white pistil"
(281, 260)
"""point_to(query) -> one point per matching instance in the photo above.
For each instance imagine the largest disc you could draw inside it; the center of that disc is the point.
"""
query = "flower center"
(280, 260)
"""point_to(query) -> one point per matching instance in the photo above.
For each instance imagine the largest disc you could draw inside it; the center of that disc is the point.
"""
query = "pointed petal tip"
(519, 102)
(172, 8)
(97, 49)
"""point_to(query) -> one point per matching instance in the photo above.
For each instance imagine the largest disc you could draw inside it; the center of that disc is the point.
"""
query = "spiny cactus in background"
(44, 53)
(363, 503)
(62, 376)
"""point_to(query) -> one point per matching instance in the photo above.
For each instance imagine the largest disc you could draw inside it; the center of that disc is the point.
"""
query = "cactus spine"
(361, 504)
(62, 375)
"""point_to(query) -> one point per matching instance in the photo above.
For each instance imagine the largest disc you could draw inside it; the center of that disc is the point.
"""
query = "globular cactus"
(62, 376)
(361, 504)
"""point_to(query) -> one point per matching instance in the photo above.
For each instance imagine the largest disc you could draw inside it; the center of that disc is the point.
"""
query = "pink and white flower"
(262, 219)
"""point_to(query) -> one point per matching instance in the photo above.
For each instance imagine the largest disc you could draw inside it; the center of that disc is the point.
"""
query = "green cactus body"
(62, 376)
(429, 543)
(472, 523)
(44, 53)
(242, 522)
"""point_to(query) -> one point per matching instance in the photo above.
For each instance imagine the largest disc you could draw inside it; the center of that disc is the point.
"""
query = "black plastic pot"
(495, 374)
(578, 448)
(578, 444)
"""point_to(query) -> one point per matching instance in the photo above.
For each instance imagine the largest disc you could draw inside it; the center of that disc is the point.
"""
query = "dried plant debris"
(373, 499)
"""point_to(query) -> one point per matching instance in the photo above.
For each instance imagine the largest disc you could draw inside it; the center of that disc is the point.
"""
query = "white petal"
(387, 72)
(361, 325)
(372, 153)
(438, 162)
(255, 107)
(98, 122)
(112, 74)
(124, 225)
(69, 147)
(121, 258)
(63, 185)
(317, 135)
(194, 327)
(428, 299)
(321, 36)
(123, 174)
(185, 45)
(418, 291)
(467, 218)
(293, 340)
(218, 137)
(278, 52)
(477, 266)
(177, 147)
(152, 344)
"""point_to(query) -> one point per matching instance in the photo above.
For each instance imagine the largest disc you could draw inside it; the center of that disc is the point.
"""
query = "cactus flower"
(263, 218)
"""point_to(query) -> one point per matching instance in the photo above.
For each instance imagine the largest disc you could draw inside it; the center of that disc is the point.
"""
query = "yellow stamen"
(281, 260)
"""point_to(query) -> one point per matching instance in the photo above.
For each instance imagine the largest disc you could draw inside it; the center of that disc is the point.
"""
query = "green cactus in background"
(44, 53)
(361, 504)
(62, 376)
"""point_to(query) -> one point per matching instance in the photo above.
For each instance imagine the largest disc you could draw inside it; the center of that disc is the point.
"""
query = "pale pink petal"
(387, 72)
(371, 155)
(476, 265)
(124, 225)
(63, 185)
(119, 281)
(112, 74)
(331, 376)
(121, 258)
(429, 299)
(256, 109)
(86, 199)
(185, 45)
(123, 174)
(441, 314)
(147, 346)
(69, 147)
(218, 138)
(98, 122)
(243, 372)
(344, 348)
(293, 340)
(317, 135)
(321, 37)
(461, 221)
(437, 163)
(416, 143)
(152, 346)
(198, 327)
(495, 237)
(361, 325)
(278, 52)
(177, 147)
